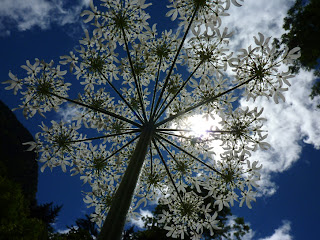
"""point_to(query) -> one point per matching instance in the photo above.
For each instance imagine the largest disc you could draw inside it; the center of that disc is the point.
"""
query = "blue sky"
(288, 204)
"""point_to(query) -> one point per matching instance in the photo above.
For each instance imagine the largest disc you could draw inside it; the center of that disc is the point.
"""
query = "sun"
(202, 126)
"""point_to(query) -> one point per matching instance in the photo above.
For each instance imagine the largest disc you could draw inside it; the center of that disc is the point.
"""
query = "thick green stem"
(116, 218)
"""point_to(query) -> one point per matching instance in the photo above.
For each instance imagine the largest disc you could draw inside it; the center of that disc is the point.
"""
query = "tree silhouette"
(302, 24)
(47, 213)
(87, 224)
(72, 234)
(20, 166)
(85, 229)
(21, 216)
(15, 220)
(140, 89)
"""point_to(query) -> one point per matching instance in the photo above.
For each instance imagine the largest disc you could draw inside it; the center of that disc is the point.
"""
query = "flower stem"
(116, 218)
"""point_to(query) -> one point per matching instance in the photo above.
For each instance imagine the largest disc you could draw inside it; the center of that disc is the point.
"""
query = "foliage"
(302, 24)
(72, 234)
(139, 89)
(21, 166)
(46, 213)
(87, 224)
(21, 215)
(15, 221)
(85, 229)
(315, 91)
(18, 181)
(240, 228)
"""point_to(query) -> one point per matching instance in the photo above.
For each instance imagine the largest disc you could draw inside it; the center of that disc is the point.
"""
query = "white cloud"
(139, 222)
(65, 231)
(282, 233)
(231, 221)
(265, 16)
(25, 15)
(68, 112)
(290, 124)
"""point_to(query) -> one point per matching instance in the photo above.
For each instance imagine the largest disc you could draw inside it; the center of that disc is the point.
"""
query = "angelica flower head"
(140, 87)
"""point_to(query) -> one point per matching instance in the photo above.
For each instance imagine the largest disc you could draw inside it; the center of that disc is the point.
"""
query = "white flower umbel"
(139, 90)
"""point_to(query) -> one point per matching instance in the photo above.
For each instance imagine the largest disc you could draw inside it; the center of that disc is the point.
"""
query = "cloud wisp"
(281, 233)
(25, 15)
(292, 123)
(139, 222)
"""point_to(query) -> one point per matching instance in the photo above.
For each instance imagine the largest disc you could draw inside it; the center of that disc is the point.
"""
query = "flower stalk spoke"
(188, 138)
(123, 147)
(158, 115)
(211, 99)
(189, 154)
(104, 136)
(167, 170)
(120, 95)
(175, 58)
(137, 83)
(155, 89)
(111, 114)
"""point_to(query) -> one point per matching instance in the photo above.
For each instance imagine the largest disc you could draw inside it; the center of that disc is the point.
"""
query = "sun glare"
(201, 126)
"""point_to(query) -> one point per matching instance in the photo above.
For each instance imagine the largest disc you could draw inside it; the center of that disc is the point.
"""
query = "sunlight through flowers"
(161, 113)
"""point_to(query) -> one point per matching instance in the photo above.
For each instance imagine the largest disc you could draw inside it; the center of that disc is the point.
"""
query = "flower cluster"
(258, 68)
(130, 139)
(120, 16)
(188, 216)
(43, 81)
(243, 131)
(209, 12)
(57, 145)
